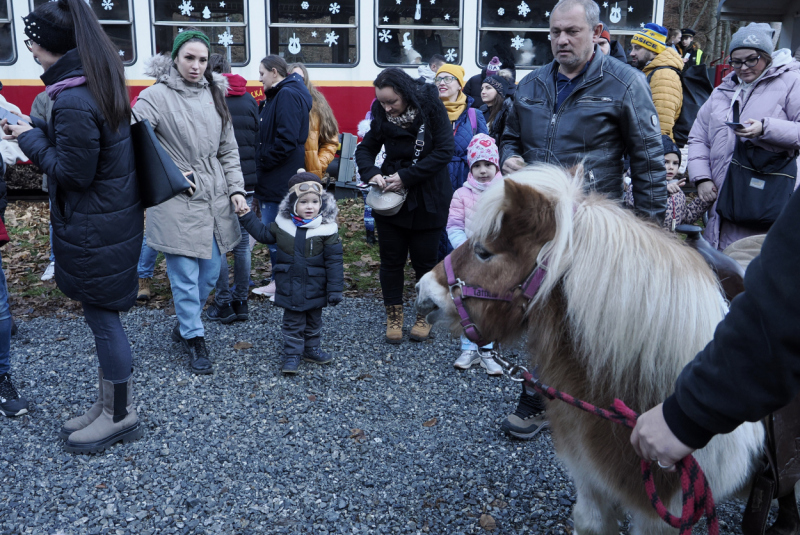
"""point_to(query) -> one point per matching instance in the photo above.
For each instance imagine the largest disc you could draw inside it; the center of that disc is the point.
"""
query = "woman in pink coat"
(766, 86)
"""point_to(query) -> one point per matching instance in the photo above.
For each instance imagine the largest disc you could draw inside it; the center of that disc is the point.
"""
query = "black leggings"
(396, 244)
(113, 348)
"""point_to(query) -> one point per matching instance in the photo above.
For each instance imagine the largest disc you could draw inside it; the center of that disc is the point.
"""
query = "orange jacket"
(318, 156)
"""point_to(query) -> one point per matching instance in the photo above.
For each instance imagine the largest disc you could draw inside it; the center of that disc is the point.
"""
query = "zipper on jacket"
(311, 248)
(572, 96)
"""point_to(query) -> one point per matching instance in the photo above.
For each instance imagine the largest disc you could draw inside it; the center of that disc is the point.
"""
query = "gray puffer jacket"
(609, 114)
(190, 129)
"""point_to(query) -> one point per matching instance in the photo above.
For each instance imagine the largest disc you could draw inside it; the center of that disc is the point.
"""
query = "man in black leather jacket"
(582, 107)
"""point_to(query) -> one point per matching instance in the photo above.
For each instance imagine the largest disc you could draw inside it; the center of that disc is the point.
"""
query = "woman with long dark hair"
(86, 150)
(401, 108)
(283, 133)
(193, 230)
(496, 104)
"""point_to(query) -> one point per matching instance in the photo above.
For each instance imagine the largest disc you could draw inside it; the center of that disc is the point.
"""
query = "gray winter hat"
(756, 35)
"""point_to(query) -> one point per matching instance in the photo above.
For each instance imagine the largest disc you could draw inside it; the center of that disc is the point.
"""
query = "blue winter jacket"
(97, 217)
(463, 134)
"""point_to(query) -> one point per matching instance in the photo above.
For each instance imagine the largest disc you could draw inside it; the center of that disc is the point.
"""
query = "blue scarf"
(300, 222)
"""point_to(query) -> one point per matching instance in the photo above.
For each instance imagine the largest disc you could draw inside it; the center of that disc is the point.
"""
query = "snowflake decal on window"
(433, 2)
(334, 8)
(108, 5)
(605, 4)
(385, 19)
(121, 53)
(451, 55)
(313, 34)
(501, 11)
(222, 4)
(180, 30)
(384, 36)
(331, 39)
(523, 9)
(446, 16)
(225, 39)
(304, 5)
(630, 9)
(484, 53)
(186, 8)
(547, 14)
(516, 42)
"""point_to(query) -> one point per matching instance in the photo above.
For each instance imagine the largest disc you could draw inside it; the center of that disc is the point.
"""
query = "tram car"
(345, 43)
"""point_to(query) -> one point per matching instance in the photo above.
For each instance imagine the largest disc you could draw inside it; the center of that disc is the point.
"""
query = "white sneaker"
(489, 364)
(50, 272)
(467, 359)
(267, 290)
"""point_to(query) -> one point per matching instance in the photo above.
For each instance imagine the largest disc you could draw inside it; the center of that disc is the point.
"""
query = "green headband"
(186, 36)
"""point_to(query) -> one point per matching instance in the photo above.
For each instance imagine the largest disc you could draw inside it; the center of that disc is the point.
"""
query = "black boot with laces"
(11, 404)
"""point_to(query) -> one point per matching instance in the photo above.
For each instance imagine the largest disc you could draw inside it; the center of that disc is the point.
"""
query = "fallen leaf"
(312, 397)
(358, 435)
(363, 376)
(283, 420)
(430, 423)
(61, 338)
(242, 345)
(487, 522)
(100, 486)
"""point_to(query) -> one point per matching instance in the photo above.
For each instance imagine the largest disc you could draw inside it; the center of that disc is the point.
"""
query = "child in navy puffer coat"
(309, 273)
(484, 165)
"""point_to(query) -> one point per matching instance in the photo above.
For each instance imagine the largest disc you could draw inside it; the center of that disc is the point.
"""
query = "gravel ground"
(337, 449)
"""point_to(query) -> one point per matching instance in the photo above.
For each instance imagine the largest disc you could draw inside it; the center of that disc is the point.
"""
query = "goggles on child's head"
(306, 187)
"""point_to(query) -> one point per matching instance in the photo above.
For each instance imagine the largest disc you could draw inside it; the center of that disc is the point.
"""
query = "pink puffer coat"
(775, 100)
(462, 209)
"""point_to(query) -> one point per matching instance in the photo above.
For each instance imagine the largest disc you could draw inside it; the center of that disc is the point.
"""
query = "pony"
(622, 307)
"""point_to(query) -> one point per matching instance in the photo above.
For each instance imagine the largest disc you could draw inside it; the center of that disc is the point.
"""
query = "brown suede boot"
(421, 329)
(394, 324)
(144, 290)
(79, 422)
(117, 422)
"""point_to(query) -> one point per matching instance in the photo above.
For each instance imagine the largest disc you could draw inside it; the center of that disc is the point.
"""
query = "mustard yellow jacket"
(318, 155)
(665, 85)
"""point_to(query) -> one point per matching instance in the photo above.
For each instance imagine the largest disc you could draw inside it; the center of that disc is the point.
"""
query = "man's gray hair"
(589, 6)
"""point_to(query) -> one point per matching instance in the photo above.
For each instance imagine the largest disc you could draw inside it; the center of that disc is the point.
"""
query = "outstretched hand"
(653, 440)
(239, 204)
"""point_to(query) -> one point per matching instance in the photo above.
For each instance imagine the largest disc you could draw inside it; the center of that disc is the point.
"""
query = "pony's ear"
(527, 211)
(520, 199)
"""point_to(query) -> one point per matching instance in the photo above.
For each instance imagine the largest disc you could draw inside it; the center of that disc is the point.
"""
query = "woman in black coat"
(98, 220)
(282, 137)
(401, 107)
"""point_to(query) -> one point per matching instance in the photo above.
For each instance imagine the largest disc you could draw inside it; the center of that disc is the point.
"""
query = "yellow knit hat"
(653, 37)
(455, 70)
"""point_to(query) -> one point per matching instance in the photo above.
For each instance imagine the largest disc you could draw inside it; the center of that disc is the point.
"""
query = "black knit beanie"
(46, 34)
(499, 83)
(670, 147)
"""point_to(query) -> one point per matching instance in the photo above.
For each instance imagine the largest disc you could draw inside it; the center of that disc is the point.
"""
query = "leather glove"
(334, 298)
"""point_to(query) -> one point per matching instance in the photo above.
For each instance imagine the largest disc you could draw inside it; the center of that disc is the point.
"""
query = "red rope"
(697, 497)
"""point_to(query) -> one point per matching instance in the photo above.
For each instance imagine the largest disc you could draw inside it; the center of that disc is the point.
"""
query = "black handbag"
(159, 177)
(758, 185)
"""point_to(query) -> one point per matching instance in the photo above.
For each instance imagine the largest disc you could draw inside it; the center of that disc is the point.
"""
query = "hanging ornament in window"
(331, 39)
(225, 39)
(334, 8)
(451, 55)
(294, 44)
(108, 5)
(384, 36)
(407, 44)
(304, 5)
(616, 13)
(516, 42)
(501, 11)
(418, 11)
(523, 9)
(206, 13)
(186, 8)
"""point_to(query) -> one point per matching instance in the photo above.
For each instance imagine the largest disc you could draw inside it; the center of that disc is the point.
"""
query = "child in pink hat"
(484, 170)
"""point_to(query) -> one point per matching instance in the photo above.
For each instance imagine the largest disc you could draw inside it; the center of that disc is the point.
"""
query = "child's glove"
(334, 298)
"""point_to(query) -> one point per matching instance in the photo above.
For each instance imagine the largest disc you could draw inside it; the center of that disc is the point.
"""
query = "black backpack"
(696, 90)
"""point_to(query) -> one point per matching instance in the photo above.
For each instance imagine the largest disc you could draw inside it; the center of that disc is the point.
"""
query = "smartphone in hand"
(736, 126)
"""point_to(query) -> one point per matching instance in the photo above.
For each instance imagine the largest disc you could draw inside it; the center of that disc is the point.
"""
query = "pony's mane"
(638, 300)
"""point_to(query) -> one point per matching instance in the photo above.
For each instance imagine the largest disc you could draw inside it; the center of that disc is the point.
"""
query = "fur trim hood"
(329, 210)
(161, 67)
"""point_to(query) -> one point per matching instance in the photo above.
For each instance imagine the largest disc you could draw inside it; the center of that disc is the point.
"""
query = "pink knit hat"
(482, 148)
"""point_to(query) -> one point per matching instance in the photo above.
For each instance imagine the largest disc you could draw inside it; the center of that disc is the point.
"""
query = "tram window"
(505, 27)
(224, 22)
(314, 32)
(409, 32)
(7, 52)
(116, 19)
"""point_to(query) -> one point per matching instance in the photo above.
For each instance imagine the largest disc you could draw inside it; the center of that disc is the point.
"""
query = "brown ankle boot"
(394, 324)
(144, 290)
(79, 422)
(421, 329)
(117, 422)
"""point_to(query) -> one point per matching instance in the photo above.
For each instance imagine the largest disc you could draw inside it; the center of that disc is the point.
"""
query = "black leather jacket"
(611, 113)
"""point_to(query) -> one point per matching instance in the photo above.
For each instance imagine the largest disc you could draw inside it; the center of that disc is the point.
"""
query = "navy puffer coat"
(97, 217)
(244, 115)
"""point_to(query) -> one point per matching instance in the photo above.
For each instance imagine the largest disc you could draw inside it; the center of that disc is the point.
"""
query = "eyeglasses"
(749, 62)
(444, 79)
(29, 44)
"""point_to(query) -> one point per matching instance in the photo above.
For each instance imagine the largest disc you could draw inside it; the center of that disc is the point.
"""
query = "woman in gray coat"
(187, 109)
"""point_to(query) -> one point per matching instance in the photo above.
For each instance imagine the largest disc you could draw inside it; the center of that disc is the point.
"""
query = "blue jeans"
(113, 348)
(5, 324)
(241, 270)
(269, 212)
(467, 345)
(147, 260)
(191, 280)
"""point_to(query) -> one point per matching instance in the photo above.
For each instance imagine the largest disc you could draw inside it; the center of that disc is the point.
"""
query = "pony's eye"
(481, 252)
